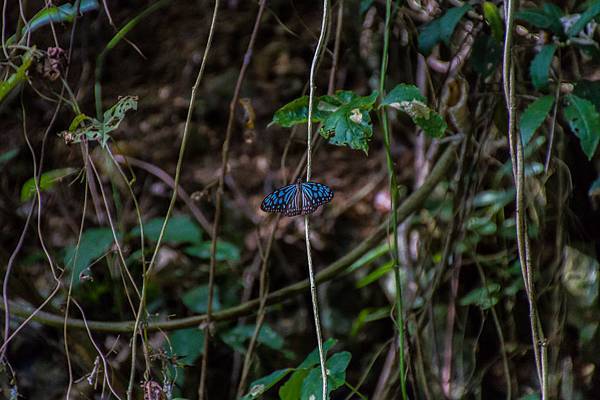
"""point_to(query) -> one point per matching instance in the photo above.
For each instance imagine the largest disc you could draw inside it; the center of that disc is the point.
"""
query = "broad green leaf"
(350, 125)
(584, 121)
(486, 55)
(534, 116)
(590, 13)
(313, 358)
(48, 180)
(7, 156)
(292, 389)
(196, 299)
(17, 77)
(179, 229)
(94, 243)
(408, 98)
(312, 387)
(403, 92)
(492, 17)
(547, 17)
(296, 112)
(240, 334)
(186, 344)
(225, 251)
(260, 386)
(484, 297)
(589, 90)
(94, 130)
(441, 29)
(540, 66)
(580, 276)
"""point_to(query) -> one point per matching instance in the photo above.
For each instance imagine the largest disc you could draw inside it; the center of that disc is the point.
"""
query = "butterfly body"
(298, 198)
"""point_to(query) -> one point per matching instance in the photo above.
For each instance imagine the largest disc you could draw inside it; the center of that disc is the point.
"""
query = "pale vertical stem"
(394, 198)
(311, 274)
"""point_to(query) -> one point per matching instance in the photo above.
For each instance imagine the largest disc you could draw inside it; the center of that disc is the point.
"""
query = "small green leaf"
(589, 14)
(48, 180)
(547, 17)
(484, 297)
(196, 299)
(441, 29)
(584, 121)
(368, 315)
(237, 337)
(94, 243)
(312, 387)
(533, 117)
(186, 344)
(225, 251)
(296, 112)
(17, 77)
(481, 226)
(492, 17)
(374, 275)
(403, 92)
(260, 386)
(494, 198)
(350, 125)
(179, 229)
(540, 66)
(7, 156)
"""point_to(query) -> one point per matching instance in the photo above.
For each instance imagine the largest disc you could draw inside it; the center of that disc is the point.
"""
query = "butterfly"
(299, 198)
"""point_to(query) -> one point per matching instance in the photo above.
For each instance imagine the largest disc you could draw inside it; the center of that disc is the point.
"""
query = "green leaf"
(17, 77)
(292, 389)
(7, 156)
(540, 66)
(484, 297)
(594, 189)
(263, 384)
(589, 90)
(534, 116)
(481, 226)
(441, 29)
(589, 14)
(492, 17)
(94, 243)
(365, 5)
(296, 112)
(48, 180)
(584, 121)
(494, 198)
(374, 275)
(350, 124)
(179, 229)
(368, 315)
(225, 251)
(336, 376)
(486, 55)
(196, 299)
(93, 130)
(186, 344)
(237, 337)
(408, 98)
(313, 358)
(547, 17)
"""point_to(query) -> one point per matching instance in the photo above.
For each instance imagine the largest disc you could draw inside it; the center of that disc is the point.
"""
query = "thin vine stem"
(394, 197)
(518, 167)
(311, 274)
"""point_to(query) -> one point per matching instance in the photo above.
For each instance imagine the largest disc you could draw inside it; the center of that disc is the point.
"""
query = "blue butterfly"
(299, 198)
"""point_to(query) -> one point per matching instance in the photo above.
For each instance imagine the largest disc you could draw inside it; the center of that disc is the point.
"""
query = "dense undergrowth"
(457, 259)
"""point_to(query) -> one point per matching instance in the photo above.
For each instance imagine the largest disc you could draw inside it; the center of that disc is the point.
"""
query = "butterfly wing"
(281, 200)
(314, 194)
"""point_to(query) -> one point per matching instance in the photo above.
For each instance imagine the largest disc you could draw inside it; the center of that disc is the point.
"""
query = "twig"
(219, 195)
(410, 205)
(394, 198)
(311, 274)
